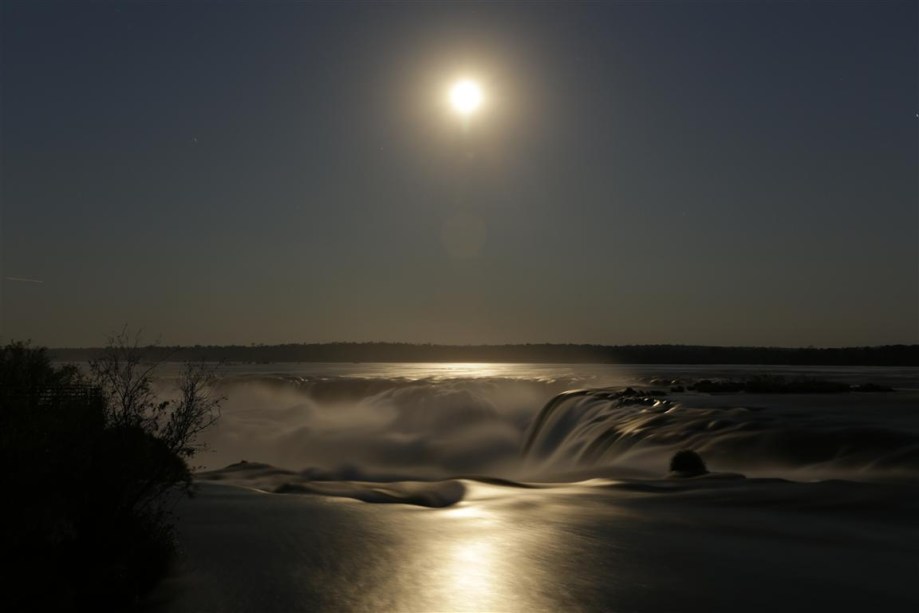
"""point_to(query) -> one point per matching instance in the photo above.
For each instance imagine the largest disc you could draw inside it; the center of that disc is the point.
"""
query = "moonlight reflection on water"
(616, 541)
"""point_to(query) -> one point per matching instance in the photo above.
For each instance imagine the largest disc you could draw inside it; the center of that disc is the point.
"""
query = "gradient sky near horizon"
(715, 173)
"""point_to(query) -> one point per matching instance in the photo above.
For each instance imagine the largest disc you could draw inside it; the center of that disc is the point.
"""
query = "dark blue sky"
(711, 173)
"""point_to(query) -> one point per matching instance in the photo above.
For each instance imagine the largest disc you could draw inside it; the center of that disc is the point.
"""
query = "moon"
(465, 96)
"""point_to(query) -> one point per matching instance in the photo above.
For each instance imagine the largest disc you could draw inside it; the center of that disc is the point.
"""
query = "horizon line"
(255, 345)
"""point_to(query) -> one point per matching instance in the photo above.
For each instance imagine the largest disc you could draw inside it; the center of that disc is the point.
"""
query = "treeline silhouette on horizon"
(886, 355)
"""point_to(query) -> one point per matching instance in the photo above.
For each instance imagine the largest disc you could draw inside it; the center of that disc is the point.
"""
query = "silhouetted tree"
(90, 468)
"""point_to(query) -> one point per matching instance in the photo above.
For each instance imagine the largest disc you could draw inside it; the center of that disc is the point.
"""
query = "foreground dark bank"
(92, 464)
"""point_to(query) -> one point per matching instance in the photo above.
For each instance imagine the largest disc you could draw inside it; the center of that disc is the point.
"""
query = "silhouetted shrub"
(686, 463)
(90, 471)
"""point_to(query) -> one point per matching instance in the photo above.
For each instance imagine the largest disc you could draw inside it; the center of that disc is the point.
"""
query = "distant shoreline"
(545, 353)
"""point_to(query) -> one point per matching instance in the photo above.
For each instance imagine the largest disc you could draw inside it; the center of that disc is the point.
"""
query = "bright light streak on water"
(470, 577)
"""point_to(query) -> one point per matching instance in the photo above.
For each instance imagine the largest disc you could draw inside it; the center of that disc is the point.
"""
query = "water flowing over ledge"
(590, 428)
(535, 423)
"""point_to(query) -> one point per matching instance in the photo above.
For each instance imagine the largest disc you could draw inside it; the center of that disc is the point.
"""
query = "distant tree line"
(887, 355)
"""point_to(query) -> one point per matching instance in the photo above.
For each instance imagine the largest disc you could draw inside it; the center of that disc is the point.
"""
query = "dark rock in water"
(871, 387)
(686, 463)
(771, 384)
(706, 386)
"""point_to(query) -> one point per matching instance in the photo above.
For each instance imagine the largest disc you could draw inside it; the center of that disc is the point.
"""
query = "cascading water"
(589, 427)
(604, 428)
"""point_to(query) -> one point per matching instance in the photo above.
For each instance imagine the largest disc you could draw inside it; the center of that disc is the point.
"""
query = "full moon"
(465, 96)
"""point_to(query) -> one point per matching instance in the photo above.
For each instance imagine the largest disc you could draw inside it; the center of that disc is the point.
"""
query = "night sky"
(704, 173)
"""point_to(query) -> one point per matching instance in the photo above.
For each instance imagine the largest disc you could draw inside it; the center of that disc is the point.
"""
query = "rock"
(687, 463)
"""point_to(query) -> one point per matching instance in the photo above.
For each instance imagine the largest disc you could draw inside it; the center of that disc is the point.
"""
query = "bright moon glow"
(466, 96)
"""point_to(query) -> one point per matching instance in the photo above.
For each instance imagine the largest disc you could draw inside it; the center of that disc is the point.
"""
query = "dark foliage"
(85, 522)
